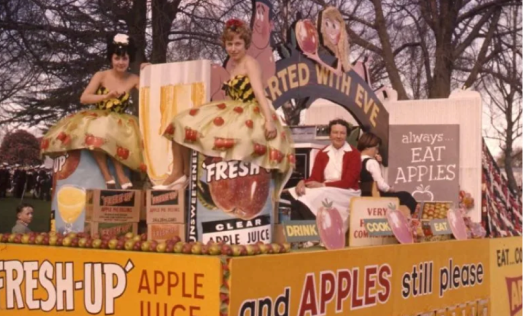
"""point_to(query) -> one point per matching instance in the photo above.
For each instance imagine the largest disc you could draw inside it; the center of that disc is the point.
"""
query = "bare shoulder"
(133, 78)
(251, 62)
(101, 74)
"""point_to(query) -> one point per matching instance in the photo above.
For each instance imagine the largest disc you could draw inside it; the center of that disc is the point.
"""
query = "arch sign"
(313, 65)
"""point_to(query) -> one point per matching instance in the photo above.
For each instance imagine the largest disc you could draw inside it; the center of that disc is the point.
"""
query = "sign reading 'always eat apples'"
(424, 160)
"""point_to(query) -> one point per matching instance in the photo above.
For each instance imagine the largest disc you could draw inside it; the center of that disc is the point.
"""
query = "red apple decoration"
(238, 109)
(191, 135)
(44, 144)
(242, 196)
(228, 143)
(170, 129)
(221, 106)
(5, 237)
(187, 248)
(193, 112)
(259, 149)
(120, 245)
(226, 250)
(61, 136)
(93, 141)
(122, 152)
(249, 123)
(330, 226)
(67, 140)
(307, 36)
(152, 245)
(275, 155)
(218, 121)
(18, 238)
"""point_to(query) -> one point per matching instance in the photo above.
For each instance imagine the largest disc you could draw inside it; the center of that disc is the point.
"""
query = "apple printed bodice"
(118, 105)
(239, 88)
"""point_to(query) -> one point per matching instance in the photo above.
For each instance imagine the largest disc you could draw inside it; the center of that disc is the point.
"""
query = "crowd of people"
(18, 181)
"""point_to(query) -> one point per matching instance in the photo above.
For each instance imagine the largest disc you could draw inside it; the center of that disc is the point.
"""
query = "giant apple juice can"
(229, 201)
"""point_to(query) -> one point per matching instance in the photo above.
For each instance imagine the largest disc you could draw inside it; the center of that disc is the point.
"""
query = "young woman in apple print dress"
(105, 130)
(244, 128)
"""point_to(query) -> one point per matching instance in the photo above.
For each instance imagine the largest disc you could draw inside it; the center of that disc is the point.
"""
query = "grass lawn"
(41, 214)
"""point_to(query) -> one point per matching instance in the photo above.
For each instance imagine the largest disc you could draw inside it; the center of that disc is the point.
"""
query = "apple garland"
(132, 242)
(224, 288)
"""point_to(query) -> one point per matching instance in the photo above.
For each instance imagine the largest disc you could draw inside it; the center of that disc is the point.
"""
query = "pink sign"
(457, 224)
(330, 227)
(400, 228)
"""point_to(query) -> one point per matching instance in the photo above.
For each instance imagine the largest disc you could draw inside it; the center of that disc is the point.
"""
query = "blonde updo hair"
(237, 27)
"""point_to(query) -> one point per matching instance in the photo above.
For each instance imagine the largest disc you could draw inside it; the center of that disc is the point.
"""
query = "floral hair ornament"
(233, 24)
(121, 39)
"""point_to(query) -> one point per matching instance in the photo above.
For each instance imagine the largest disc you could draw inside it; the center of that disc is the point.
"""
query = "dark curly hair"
(120, 49)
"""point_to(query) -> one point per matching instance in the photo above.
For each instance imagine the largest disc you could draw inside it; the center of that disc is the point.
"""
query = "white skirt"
(340, 198)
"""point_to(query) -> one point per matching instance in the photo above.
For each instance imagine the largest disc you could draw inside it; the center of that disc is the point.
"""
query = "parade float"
(145, 252)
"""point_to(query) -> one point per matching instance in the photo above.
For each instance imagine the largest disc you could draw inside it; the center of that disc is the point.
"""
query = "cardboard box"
(162, 232)
(433, 211)
(112, 229)
(113, 206)
(165, 206)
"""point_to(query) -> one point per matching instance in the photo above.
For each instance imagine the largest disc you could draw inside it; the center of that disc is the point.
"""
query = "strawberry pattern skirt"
(234, 130)
(116, 134)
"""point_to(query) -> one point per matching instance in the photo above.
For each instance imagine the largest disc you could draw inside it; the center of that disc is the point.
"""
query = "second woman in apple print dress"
(244, 128)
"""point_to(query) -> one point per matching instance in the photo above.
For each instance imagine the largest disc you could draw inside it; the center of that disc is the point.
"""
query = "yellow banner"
(505, 276)
(390, 280)
(59, 281)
